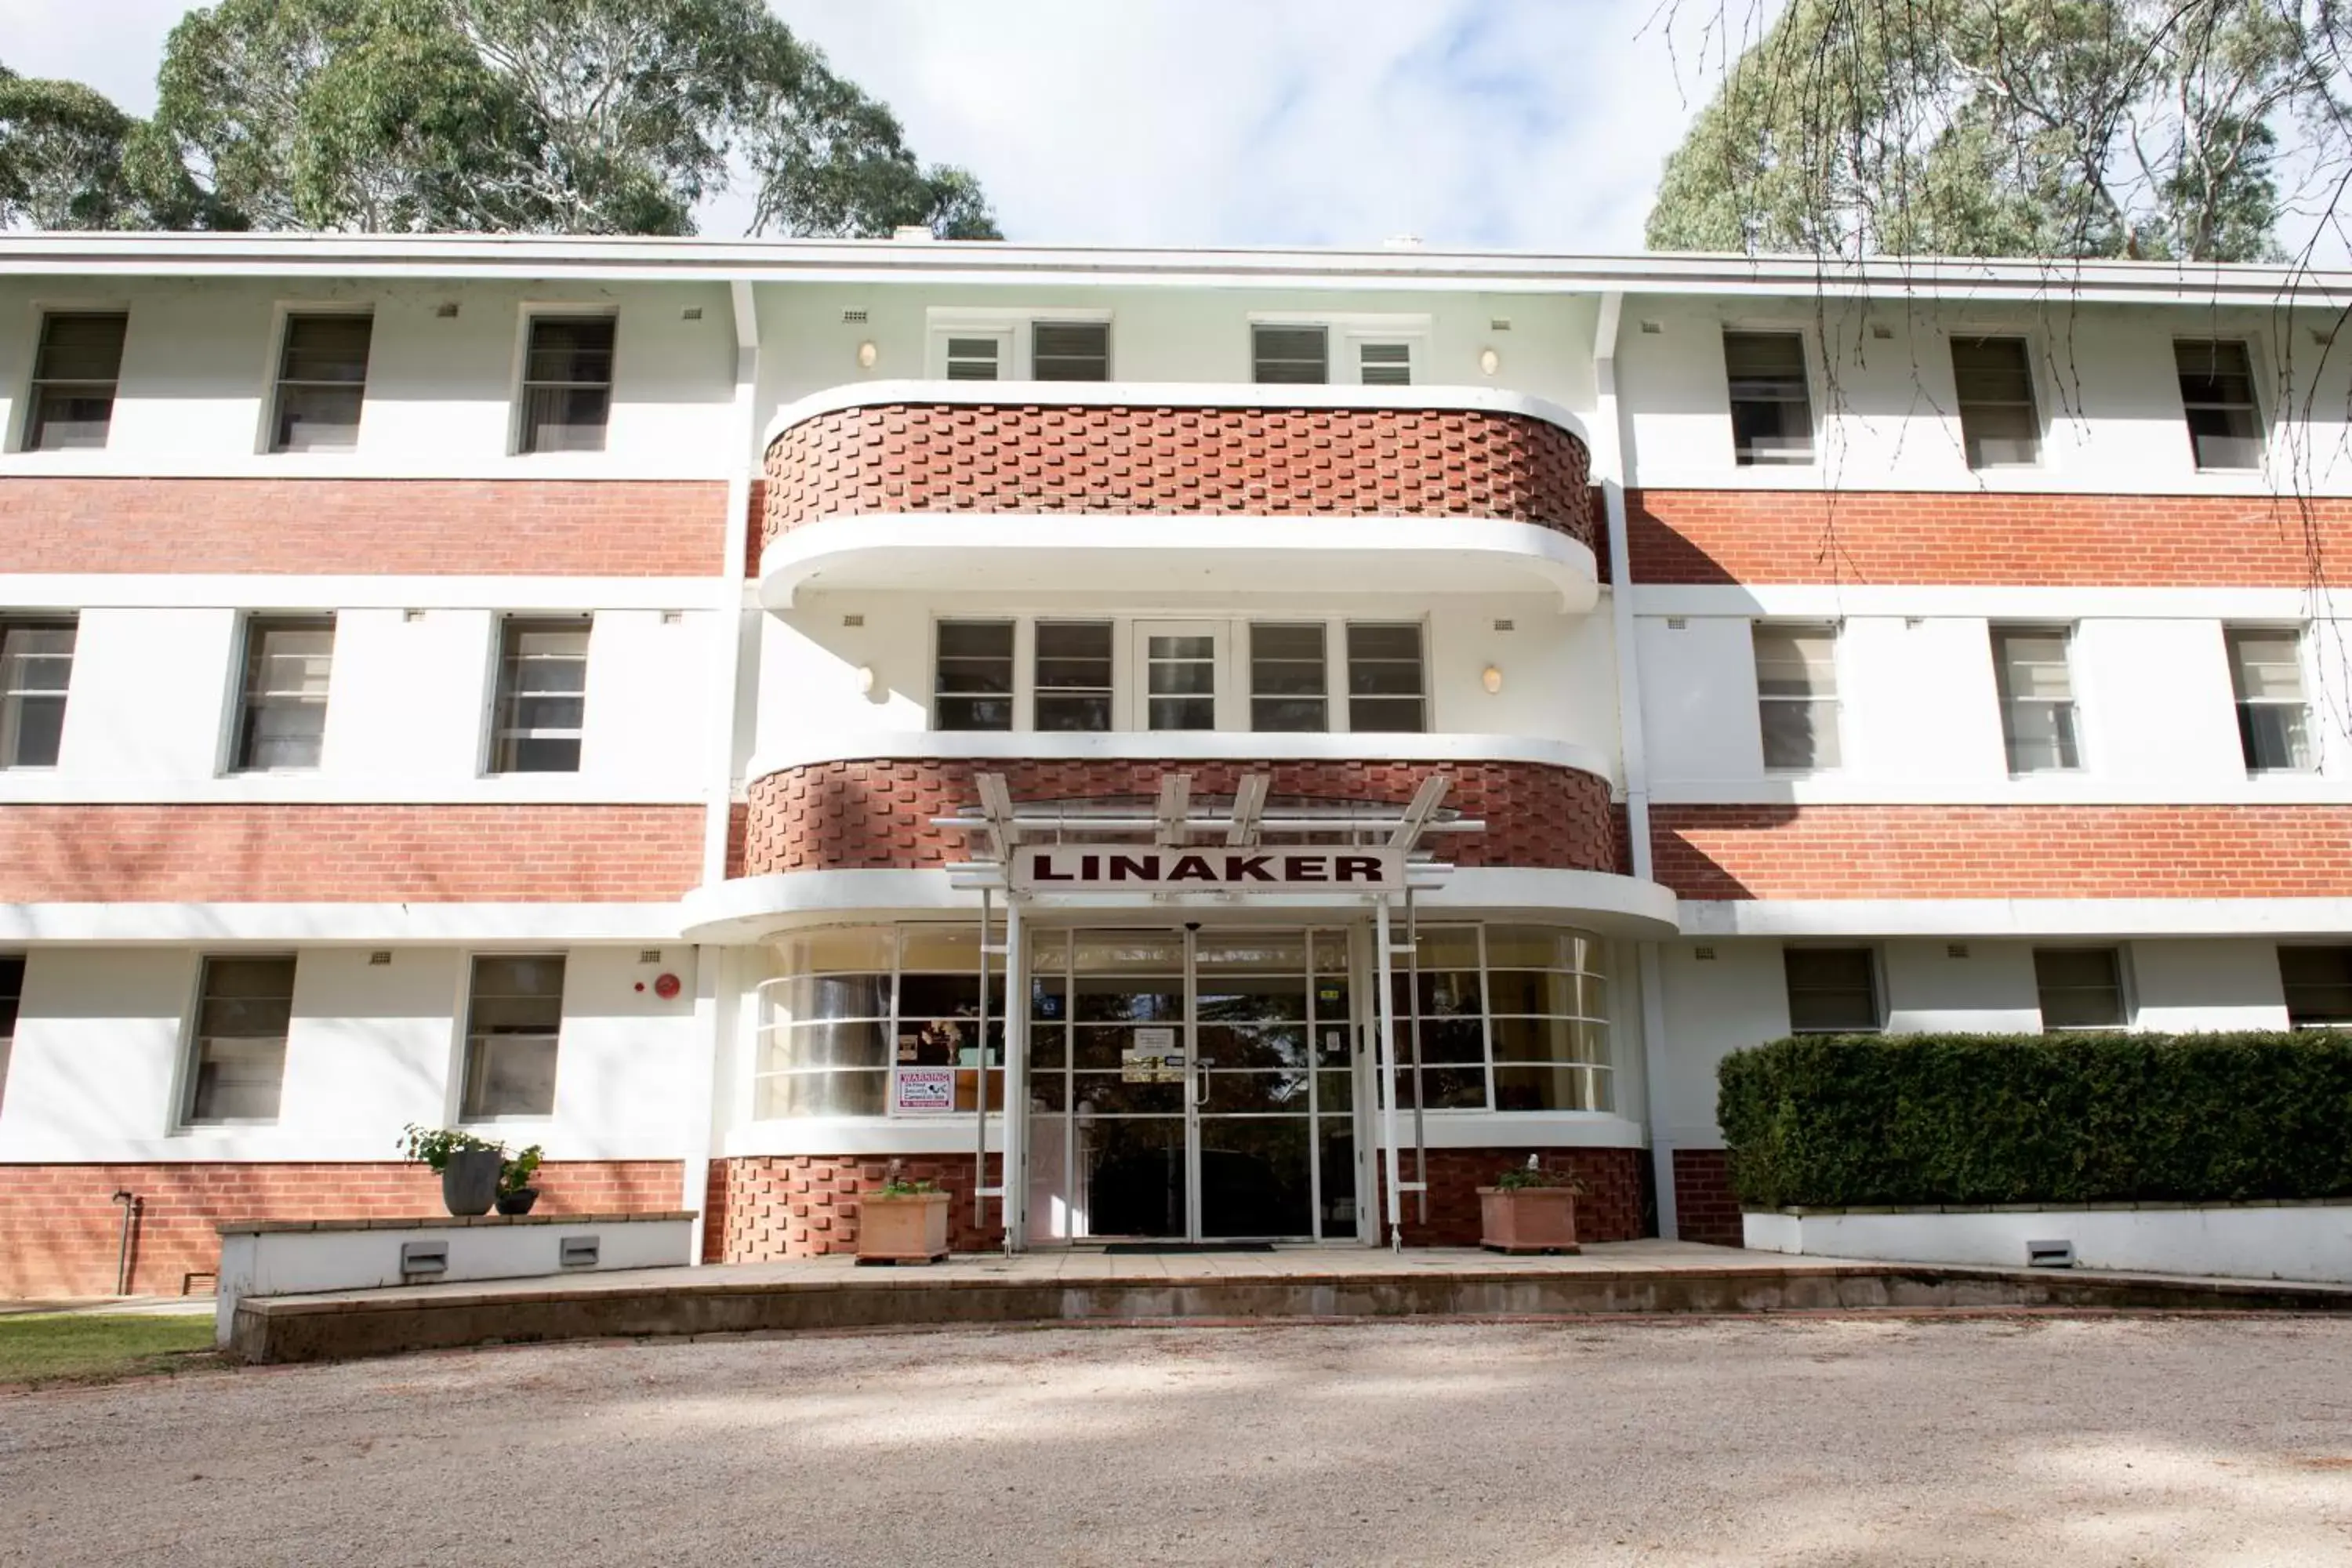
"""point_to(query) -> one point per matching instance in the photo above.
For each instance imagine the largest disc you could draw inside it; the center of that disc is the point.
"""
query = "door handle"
(1200, 1083)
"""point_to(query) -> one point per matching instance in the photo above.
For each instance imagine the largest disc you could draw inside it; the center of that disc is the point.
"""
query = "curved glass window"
(876, 1020)
(1507, 1017)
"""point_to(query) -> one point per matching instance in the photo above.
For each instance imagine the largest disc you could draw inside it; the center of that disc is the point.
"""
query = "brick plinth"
(1972, 537)
(1613, 1207)
(770, 1206)
(348, 854)
(573, 528)
(1704, 1209)
(878, 814)
(1733, 852)
(60, 1228)
(1304, 462)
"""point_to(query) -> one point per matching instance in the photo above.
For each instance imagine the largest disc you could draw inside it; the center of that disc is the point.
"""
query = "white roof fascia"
(636, 260)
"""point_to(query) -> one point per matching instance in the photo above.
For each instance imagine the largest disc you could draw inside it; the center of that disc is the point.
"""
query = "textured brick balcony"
(1170, 460)
(876, 814)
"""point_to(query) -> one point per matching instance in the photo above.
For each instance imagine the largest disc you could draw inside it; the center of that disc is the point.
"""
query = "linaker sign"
(1143, 869)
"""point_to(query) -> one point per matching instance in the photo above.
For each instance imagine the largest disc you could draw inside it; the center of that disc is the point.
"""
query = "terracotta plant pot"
(470, 1181)
(1527, 1219)
(909, 1229)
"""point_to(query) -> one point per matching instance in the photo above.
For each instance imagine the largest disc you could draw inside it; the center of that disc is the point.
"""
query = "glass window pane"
(2217, 396)
(243, 1015)
(1294, 356)
(36, 664)
(1999, 424)
(2080, 987)
(1563, 1088)
(2318, 984)
(567, 384)
(1831, 989)
(74, 377)
(1070, 351)
(1771, 413)
(1384, 365)
(542, 679)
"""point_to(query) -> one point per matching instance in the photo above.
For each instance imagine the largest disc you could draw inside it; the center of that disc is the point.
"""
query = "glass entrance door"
(1192, 1085)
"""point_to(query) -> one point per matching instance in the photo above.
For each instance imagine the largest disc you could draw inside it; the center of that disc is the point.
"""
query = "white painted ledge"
(2234, 788)
(2237, 1241)
(1231, 395)
(1993, 917)
(1132, 551)
(326, 924)
(746, 908)
(1171, 745)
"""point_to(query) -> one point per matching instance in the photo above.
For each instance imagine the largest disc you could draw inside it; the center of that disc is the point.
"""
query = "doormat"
(1116, 1247)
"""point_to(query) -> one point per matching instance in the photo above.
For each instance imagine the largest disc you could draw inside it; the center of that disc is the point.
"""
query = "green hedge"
(1866, 1120)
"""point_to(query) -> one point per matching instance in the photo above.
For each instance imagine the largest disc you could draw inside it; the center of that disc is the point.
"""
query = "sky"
(1517, 124)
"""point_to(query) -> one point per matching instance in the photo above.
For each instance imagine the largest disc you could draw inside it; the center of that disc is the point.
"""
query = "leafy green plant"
(1867, 1120)
(432, 1146)
(907, 1187)
(515, 1173)
(1532, 1175)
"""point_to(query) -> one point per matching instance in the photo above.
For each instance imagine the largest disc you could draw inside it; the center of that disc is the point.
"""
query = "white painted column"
(1013, 1161)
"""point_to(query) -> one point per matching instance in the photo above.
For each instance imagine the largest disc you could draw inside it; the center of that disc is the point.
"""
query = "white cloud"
(1517, 123)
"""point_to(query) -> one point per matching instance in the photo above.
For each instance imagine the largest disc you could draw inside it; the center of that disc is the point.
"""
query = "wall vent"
(2049, 1255)
(446, 309)
(1955, 950)
(853, 318)
(1498, 324)
(1703, 954)
(424, 1259)
(673, 618)
(1880, 329)
(1652, 329)
(691, 313)
(577, 1252)
(1507, 626)
(378, 958)
(649, 955)
(1677, 623)
(853, 620)
(412, 615)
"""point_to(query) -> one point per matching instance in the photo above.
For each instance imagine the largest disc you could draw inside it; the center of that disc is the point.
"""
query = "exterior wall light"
(867, 354)
(865, 681)
(1491, 678)
(1489, 361)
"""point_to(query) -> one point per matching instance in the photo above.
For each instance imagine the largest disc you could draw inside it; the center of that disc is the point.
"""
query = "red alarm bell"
(665, 986)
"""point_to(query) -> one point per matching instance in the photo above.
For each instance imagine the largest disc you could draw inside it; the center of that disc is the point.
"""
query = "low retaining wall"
(290, 1257)
(2301, 1241)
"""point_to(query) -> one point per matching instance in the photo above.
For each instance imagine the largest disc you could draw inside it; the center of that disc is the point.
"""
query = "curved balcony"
(935, 484)
(850, 828)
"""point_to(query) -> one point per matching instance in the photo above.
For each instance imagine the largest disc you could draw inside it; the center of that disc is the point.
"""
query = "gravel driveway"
(2009, 1440)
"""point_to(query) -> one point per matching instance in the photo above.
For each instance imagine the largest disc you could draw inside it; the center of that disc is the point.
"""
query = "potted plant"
(516, 1194)
(1530, 1209)
(905, 1221)
(469, 1167)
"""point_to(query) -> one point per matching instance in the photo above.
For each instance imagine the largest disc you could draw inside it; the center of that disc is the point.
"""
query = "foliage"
(1866, 1120)
(907, 1187)
(2049, 128)
(432, 1146)
(544, 116)
(1531, 1174)
(94, 1347)
(516, 1171)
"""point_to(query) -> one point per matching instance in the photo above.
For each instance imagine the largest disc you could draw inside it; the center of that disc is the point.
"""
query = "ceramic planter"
(1527, 1219)
(909, 1229)
(470, 1181)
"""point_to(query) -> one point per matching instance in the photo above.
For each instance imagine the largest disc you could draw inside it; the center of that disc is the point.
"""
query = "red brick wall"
(1786, 536)
(1704, 1209)
(1613, 1208)
(346, 854)
(859, 815)
(2003, 851)
(804, 1206)
(585, 528)
(1318, 462)
(59, 1226)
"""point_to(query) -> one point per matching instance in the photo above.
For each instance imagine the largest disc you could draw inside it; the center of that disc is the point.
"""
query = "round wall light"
(1491, 678)
(1489, 361)
(865, 681)
(867, 355)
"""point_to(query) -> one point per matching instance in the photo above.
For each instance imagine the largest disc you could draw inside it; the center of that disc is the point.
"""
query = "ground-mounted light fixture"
(1491, 678)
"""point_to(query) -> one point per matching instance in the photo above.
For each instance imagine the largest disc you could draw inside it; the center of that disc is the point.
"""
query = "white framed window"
(853, 1008)
(1508, 1019)
(1290, 679)
(36, 667)
(2038, 720)
(1180, 666)
(1387, 678)
(976, 354)
(1832, 990)
(282, 711)
(1069, 351)
(1797, 695)
(76, 372)
(2081, 987)
(11, 997)
(1288, 355)
(2216, 397)
(1383, 362)
(2266, 678)
(973, 675)
(543, 696)
(322, 366)
(1016, 344)
(2000, 426)
(1772, 409)
(567, 383)
(236, 1068)
(1073, 676)
(514, 1024)
(2318, 980)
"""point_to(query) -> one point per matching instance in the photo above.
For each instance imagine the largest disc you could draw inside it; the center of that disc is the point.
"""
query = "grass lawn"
(52, 1347)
